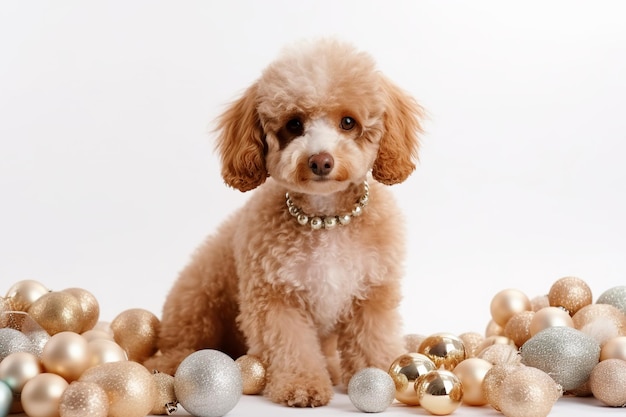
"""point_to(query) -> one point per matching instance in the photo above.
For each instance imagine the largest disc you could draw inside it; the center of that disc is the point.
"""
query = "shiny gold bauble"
(492, 383)
(165, 400)
(17, 368)
(493, 329)
(527, 392)
(518, 327)
(136, 331)
(89, 306)
(606, 312)
(471, 341)
(101, 351)
(57, 312)
(549, 317)
(405, 371)
(22, 294)
(129, 386)
(252, 374)
(84, 399)
(65, 354)
(570, 293)
(493, 340)
(440, 392)
(607, 382)
(506, 303)
(614, 348)
(471, 372)
(412, 341)
(444, 349)
(41, 395)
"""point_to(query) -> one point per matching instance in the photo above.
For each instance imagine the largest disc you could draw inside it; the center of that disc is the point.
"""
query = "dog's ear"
(241, 143)
(398, 146)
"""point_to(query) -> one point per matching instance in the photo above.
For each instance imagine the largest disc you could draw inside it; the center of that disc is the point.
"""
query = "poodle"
(306, 275)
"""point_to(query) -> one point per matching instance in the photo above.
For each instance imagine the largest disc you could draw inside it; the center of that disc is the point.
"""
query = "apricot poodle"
(306, 275)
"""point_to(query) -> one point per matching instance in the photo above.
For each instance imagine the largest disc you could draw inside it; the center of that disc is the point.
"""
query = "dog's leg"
(329, 347)
(372, 336)
(287, 341)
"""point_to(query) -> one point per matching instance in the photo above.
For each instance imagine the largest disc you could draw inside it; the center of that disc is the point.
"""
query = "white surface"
(108, 178)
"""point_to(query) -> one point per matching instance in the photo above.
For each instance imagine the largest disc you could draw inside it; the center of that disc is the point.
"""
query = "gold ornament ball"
(471, 341)
(607, 382)
(549, 317)
(84, 399)
(539, 302)
(493, 340)
(444, 349)
(165, 400)
(23, 293)
(41, 395)
(252, 374)
(471, 372)
(405, 371)
(136, 331)
(518, 327)
(412, 341)
(593, 312)
(614, 348)
(571, 293)
(506, 303)
(129, 386)
(96, 335)
(500, 354)
(65, 354)
(492, 383)
(89, 306)
(101, 351)
(528, 392)
(440, 392)
(493, 329)
(57, 312)
(18, 368)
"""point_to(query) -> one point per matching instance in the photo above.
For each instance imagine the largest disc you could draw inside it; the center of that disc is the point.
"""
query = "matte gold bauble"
(57, 312)
(493, 329)
(444, 349)
(17, 368)
(440, 392)
(129, 386)
(614, 348)
(471, 341)
(252, 374)
(65, 354)
(97, 334)
(607, 382)
(492, 383)
(412, 341)
(549, 317)
(471, 372)
(506, 303)
(84, 399)
(528, 392)
(101, 351)
(136, 331)
(570, 293)
(89, 306)
(23, 293)
(405, 371)
(518, 327)
(539, 302)
(593, 312)
(41, 395)
(165, 400)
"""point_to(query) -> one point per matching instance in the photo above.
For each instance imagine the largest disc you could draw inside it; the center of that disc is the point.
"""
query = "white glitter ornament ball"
(208, 383)
(371, 390)
(566, 354)
(615, 296)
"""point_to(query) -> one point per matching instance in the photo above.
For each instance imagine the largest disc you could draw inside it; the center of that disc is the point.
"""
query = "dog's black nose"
(321, 163)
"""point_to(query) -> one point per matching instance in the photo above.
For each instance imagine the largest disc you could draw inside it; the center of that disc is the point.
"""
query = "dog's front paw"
(299, 391)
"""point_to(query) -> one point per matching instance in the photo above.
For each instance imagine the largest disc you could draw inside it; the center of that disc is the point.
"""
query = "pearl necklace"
(328, 222)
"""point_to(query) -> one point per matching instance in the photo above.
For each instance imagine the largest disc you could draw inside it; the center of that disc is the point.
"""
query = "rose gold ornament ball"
(492, 383)
(471, 341)
(501, 354)
(17, 368)
(65, 354)
(614, 348)
(549, 317)
(506, 303)
(136, 331)
(571, 293)
(84, 399)
(607, 382)
(518, 327)
(528, 392)
(594, 312)
(41, 395)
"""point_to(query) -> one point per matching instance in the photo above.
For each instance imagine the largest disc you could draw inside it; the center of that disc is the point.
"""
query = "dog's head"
(319, 118)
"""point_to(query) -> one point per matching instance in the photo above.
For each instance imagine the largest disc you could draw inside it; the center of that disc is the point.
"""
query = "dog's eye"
(347, 123)
(295, 126)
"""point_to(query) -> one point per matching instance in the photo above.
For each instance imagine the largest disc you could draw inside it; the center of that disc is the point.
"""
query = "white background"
(108, 179)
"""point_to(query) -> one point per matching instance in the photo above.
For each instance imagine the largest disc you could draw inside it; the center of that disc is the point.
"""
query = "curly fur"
(315, 305)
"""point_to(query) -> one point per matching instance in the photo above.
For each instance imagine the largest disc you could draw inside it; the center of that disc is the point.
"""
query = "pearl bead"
(330, 222)
(302, 219)
(345, 219)
(316, 223)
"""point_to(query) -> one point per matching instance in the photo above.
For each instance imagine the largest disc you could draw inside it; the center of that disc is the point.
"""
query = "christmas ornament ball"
(405, 370)
(136, 331)
(41, 395)
(528, 392)
(571, 293)
(84, 399)
(371, 390)
(607, 382)
(252, 374)
(6, 398)
(65, 354)
(506, 303)
(57, 312)
(444, 349)
(17, 369)
(208, 383)
(440, 392)
(12, 341)
(471, 372)
(23, 293)
(615, 296)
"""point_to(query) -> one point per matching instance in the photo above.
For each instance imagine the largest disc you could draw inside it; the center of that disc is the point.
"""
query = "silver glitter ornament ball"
(208, 383)
(566, 354)
(12, 340)
(371, 390)
(615, 296)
